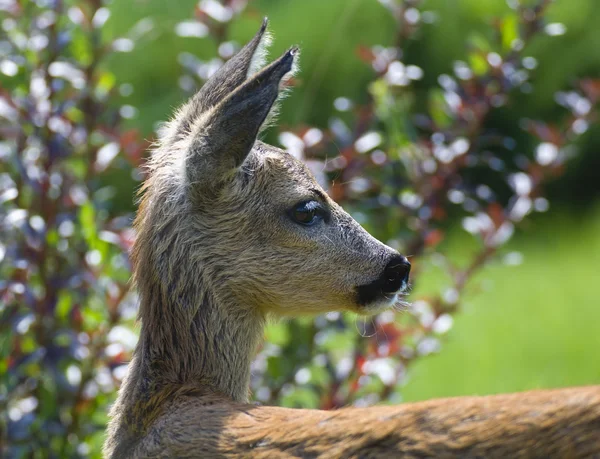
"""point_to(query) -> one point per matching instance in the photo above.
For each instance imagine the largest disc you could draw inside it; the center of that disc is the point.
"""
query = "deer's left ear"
(224, 135)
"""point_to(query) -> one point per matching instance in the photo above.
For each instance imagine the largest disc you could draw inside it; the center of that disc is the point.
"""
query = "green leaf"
(92, 318)
(63, 306)
(81, 48)
(438, 109)
(479, 42)
(509, 30)
(277, 334)
(106, 82)
(319, 376)
(87, 219)
(52, 238)
(478, 63)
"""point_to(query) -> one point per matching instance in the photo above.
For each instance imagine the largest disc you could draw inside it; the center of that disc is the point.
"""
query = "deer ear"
(228, 77)
(224, 136)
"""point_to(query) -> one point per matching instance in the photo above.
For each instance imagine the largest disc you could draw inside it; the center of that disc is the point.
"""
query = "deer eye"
(307, 213)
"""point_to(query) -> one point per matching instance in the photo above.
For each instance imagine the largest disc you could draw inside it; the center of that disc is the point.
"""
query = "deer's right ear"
(224, 135)
(228, 77)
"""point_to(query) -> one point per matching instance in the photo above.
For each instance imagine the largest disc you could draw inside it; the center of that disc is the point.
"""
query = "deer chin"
(371, 300)
(380, 304)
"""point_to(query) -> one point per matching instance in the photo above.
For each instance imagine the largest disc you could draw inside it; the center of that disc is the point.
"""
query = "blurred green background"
(532, 325)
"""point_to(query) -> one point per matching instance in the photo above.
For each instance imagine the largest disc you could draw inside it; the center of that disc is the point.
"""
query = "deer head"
(249, 220)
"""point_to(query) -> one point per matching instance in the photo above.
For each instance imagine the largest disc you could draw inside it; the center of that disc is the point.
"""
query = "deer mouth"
(386, 288)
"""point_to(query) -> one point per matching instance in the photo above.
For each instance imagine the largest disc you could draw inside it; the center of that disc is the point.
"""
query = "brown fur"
(539, 424)
(217, 254)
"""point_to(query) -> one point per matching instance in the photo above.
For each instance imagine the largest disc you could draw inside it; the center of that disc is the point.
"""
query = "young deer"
(232, 231)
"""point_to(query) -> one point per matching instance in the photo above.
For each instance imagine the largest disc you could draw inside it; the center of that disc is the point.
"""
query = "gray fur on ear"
(223, 137)
(232, 74)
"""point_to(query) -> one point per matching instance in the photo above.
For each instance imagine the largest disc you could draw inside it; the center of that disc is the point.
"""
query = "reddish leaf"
(365, 54)
(433, 238)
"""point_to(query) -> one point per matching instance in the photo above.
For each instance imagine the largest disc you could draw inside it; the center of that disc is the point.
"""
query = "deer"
(232, 232)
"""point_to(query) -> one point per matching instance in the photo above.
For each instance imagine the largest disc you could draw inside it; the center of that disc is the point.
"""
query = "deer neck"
(211, 352)
(207, 350)
(207, 354)
(197, 337)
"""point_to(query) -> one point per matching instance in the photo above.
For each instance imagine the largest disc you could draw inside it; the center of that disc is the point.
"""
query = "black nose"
(391, 280)
(395, 274)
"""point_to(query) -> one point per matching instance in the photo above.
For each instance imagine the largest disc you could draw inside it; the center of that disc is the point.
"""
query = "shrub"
(63, 257)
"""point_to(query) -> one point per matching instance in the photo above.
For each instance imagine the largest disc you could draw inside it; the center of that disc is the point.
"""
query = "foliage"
(407, 163)
(64, 269)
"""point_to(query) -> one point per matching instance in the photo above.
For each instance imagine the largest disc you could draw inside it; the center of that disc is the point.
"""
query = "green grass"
(537, 325)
